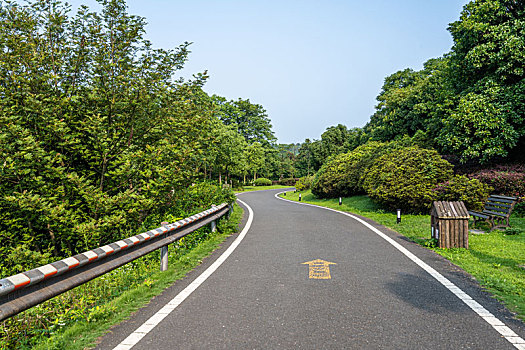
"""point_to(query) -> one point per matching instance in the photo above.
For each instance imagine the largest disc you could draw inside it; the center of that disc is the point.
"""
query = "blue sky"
(311, 64)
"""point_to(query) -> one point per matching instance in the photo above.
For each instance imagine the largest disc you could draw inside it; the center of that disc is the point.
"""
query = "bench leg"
(491, 223)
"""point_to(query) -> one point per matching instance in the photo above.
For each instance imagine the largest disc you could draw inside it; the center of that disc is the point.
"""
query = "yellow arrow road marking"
(319, 269)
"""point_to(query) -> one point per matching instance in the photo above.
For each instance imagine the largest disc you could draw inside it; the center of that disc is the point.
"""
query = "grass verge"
(496, 259)
(111, 298)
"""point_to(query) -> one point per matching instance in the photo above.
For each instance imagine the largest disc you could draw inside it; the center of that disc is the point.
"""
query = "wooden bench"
(496, 212)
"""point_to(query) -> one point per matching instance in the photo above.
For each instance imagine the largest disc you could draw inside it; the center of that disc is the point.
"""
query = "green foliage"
(334, 141)
(262, 182)
(21, 258)
(489, 42)
(228, 157)
(406, 178)
(254, 154)
(248, 118)
(472, 100)
(519, 209)
(412, 101)
(307, 162)
(487, 70)
(343, 175)
(193, 199)
(95, 135)
(304, 183)
(472, 192)
(286, 160)
(290, 181)
(479, 128)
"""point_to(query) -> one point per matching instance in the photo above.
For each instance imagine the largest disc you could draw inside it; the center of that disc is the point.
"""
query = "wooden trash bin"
(449, 224)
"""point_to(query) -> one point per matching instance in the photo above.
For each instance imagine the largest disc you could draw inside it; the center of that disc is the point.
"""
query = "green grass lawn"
(495, 259)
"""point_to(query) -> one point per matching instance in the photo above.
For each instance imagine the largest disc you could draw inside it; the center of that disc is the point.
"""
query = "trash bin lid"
(449, 210)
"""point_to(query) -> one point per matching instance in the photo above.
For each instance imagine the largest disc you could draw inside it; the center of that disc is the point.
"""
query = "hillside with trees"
(468, 106)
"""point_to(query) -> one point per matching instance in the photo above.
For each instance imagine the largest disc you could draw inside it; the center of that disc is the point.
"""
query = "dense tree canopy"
(471, 101)
(96, 137)
(250, 119)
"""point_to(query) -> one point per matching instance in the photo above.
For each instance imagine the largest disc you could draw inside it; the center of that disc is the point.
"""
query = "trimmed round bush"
(406, 178)
(262, 182)
(343, 174)
(472, 192)
(304, 183)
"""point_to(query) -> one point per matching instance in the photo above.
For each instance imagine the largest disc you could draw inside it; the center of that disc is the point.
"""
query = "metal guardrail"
(27, 289)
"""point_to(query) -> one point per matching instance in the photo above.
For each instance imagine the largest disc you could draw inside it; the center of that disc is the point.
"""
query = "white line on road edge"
(154, 320)
(492, 320)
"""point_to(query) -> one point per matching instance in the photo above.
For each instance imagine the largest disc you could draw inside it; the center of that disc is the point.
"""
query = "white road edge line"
(499, 326)
(154, 320)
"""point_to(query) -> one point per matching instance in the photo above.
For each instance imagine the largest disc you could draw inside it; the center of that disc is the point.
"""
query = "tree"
(335, 140)
(287, 157)
(254, 154)
(251, 120)
(95, 136)
(487, 69)
(309, 158)
(229, 153)
(412, 101)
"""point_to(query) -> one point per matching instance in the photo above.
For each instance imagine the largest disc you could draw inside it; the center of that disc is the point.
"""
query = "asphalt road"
(262, 296)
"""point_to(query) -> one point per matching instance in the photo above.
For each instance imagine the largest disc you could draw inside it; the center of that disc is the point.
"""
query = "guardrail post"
(230, 211)
(164, 254)
(214, 226)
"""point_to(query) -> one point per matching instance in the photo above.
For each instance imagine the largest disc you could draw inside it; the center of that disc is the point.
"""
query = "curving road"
(373, 296)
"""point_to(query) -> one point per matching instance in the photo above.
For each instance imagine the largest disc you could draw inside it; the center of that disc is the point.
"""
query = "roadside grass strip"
(498, 325)
(154, 320)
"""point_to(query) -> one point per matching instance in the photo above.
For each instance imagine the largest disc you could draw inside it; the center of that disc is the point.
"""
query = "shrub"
(472, 192)
(506, 180)
(237, 185)
(304, 183)
(194, 199)
(407, 178)
(287, 181)
(263, 182)
(519, 209)
(343, 174)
